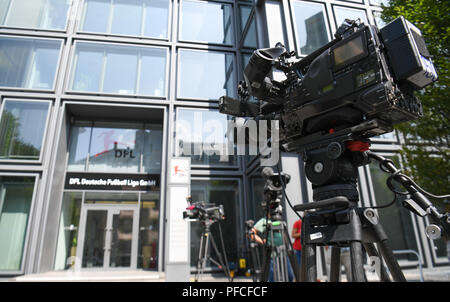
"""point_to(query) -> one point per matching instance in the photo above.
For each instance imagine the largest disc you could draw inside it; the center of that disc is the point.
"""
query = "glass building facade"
(109, 88)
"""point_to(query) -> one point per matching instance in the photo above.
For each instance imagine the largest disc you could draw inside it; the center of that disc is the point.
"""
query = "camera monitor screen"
(346, 52)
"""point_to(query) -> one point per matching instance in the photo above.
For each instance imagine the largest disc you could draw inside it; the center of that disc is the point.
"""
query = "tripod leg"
(309, 266)
(219, 256)
(356, 256)
(266, 264)
(335, 266)
(383, 246)
(372, 252)
(391, 261)
(291, 255)
(201, 258)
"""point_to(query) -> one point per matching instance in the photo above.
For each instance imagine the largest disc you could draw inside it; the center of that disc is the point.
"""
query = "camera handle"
(419, 203)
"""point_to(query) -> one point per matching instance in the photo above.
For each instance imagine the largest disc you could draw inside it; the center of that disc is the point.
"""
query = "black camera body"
(201, 211)
(362, 82)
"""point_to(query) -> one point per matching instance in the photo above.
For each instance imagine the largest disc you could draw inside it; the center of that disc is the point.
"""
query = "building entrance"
(108, 236)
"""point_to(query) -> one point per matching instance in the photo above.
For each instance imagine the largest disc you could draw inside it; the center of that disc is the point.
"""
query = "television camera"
(328, 105)
(202, 211)
(355, 87)
(207, 215)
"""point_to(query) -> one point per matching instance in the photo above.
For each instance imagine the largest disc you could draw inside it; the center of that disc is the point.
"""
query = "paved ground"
(441, 274)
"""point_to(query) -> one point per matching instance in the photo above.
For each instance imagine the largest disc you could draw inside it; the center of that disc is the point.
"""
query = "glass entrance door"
(108, 237)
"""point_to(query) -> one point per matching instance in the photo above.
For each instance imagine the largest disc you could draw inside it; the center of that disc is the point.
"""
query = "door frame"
(111, 209)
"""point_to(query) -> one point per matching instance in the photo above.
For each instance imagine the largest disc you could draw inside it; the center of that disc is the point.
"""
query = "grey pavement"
(439, 274)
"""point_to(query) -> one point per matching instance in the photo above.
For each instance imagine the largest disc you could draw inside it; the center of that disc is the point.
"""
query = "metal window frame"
(239, 207)
(235, 166)
(58, 62)
(232, 29)
(204, 51)
(82, 15)
(2, 25)
(73, 61)
(28, 233)
(294, 21)
(44, 134)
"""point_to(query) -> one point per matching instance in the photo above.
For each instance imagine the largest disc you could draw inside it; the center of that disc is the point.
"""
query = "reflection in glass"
(250, 38)
(147, 18)
(115, 147)
(22, 127)
(219, 192)
(28, 63)
(205, 75)
(94, 238)
(68, 231)
(148, 231)
(121, 238)
(396, 220)
(342, 13)
(116, 68)
(206, 22)
(201, 134)
(42, 14)
(256, 192)
(79, 146)
(311, 28)
(16, 194)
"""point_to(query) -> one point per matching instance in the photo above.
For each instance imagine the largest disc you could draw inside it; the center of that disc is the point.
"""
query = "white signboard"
(178, 227)
(180, 171)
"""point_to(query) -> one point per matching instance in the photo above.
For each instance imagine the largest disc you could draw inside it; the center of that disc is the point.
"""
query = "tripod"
(278, 247)
(334, 219)
(203, 254)
(254, 252)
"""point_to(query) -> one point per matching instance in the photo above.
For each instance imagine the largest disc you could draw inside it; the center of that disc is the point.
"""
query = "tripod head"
(332, 169)
(273, 192)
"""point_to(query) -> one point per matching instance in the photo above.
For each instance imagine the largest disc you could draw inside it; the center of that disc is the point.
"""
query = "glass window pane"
(117, 68)
(16, 194)
(149, 231)
(244, 15)
(96, 15)
(218, 192)
(396, 219)
(127, 17)
(88, 68)
(94, 238)
(80, 137)
(152, 148)
(68, 231)
(201, 134)
(206, 22)
(22, 127)
(157, 18)
(311, 28)
(250, 38)
(42, 14)
(205, 75)
(28, 63)
(342, 13)
(114, 148)
(153, 72)
(120, 71)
